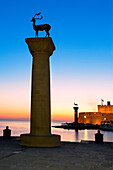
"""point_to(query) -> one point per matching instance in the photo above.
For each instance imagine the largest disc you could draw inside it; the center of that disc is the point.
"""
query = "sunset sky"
(81, 66)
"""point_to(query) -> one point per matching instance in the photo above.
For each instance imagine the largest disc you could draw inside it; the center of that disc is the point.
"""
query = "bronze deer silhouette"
(42, 27)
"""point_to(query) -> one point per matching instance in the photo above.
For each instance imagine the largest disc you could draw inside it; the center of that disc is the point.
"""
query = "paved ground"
(70, 156)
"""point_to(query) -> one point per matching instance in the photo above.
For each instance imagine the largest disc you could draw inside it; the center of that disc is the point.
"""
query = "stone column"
(76, 114)
(40, 125)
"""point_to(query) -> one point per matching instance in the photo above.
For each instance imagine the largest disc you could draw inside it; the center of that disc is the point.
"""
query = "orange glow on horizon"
(62, 115)
(20, 116)
(14, 113)
(14, 116)
(24, 113)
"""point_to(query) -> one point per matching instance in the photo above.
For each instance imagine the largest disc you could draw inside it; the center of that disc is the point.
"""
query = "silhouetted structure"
(6, 133)
(102, 101)
(40, 124)
(42, 27)
(108, 103)
(98, 138)
(75, 113)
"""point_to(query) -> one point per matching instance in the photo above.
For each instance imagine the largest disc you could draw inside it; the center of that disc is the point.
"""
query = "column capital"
(40, 45)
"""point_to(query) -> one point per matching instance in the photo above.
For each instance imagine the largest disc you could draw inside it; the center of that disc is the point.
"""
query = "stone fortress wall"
(105, 113)
(105, 108)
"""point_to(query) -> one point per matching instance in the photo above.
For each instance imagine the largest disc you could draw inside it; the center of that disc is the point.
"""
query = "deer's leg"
(36, 34)
(47, 33)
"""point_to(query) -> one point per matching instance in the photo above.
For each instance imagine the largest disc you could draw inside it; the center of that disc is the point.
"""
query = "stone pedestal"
(40, 129)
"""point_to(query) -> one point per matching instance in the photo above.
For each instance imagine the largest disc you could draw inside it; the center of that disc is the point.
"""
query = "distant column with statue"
(76, 113)
(40, 125)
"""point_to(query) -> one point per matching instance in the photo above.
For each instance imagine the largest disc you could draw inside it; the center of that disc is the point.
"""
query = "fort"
(104, 115)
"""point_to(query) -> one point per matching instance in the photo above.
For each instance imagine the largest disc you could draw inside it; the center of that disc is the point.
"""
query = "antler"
(40, 18)
(37, 14)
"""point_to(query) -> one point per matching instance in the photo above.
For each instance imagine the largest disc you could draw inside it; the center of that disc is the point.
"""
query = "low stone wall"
(94, 117)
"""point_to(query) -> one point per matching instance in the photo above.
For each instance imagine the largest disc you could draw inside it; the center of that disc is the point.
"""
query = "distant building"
(105, 108)
(104, 115)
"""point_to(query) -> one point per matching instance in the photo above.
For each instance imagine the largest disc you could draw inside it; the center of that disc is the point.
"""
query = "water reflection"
(76, 136)
(17, 127)
(85, 135)
(73, 136)
(20, 127)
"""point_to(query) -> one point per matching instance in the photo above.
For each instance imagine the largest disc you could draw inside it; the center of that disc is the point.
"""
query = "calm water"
(20, 127)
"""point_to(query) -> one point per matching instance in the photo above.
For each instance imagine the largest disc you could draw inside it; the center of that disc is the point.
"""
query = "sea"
(22, 127)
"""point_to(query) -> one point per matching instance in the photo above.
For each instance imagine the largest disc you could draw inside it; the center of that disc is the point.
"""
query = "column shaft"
(40, 95)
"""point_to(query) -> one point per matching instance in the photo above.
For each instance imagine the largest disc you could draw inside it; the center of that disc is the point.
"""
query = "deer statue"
(42, 27)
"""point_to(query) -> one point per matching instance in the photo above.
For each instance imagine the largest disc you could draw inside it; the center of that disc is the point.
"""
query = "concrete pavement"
(70, 156)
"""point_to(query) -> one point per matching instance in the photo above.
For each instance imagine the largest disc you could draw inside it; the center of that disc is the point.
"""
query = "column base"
(40, 141)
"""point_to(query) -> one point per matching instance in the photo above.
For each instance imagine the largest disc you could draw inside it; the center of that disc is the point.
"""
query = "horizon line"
(27, 119)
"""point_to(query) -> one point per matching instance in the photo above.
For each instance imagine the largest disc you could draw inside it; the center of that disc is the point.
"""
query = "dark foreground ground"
(70, 156)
